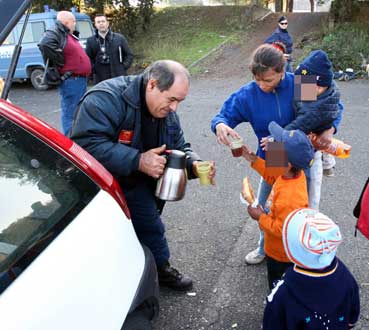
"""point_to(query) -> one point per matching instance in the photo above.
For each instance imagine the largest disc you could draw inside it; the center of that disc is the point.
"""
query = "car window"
(85, 29)
(40, 192)
(34, 31)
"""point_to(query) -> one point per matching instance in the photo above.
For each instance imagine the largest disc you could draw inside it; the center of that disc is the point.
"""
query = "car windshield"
(41, 192)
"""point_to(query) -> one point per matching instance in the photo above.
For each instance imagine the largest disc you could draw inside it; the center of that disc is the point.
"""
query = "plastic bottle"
(338, 149)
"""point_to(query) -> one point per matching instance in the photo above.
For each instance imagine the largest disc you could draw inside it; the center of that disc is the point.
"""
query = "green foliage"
(38, 5)
(344, 10)
(343, 45)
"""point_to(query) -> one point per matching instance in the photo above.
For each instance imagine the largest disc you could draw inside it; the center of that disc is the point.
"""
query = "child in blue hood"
(317, 99)
(318, 292)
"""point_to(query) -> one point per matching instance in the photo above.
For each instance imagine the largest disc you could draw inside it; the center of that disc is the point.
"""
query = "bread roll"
(247, 192)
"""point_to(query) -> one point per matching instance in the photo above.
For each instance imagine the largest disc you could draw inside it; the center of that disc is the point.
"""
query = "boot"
(172, 278)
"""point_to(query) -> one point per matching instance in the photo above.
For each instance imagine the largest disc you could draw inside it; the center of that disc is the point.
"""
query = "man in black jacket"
(109, 52)
(61, 49)
(127, 123)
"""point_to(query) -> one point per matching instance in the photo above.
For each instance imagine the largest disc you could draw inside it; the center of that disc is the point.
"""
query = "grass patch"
(186, 34)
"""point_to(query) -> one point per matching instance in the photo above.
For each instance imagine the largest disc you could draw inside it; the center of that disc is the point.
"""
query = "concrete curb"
(227, 40)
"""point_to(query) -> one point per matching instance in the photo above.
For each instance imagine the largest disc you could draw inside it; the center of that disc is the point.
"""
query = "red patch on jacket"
(125, 137)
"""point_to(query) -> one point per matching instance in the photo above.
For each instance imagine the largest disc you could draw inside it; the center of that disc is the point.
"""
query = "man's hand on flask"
(152, 163)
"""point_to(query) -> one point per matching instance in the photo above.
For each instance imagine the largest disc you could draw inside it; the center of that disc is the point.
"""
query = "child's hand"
(248, 154)
(264, 142)
(255, 212)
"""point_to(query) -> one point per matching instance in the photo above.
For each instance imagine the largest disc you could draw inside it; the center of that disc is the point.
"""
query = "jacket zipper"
(278, 106)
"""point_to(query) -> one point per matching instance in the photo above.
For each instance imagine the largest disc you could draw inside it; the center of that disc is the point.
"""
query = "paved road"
(209, 232)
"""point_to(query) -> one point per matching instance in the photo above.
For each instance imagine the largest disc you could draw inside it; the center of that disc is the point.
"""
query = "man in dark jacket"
(60, 48)
(127, 123)
(109, 52)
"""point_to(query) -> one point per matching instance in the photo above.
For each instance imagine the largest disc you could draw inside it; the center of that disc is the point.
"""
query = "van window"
(84, 28)
(34, 31)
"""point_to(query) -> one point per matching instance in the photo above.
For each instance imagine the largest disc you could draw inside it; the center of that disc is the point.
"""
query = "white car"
(69, 256)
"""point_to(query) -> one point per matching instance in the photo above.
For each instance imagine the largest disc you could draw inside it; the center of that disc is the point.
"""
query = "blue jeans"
(315, 181)
(71, 91)
(147, 222)
(262, 196)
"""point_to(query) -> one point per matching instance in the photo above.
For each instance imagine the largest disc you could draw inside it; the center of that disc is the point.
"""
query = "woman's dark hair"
(266, 57)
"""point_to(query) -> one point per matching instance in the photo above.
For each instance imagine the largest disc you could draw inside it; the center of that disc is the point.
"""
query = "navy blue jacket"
(281, 36)
(306, 300)
(115, 105)
(317, 116)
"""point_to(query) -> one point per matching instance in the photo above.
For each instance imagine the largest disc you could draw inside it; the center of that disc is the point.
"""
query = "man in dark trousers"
(60, 48)
(127, 123)
(109, 52)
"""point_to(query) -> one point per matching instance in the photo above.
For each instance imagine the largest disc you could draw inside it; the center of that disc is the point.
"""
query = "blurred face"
(160, 104)
(283, 25)
(268, 80)
(101, 24)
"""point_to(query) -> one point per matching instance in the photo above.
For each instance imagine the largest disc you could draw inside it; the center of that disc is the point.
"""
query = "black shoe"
(172, 278)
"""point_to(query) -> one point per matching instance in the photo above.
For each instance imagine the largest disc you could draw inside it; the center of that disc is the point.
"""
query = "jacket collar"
(108, 35)
(132, 93)
(61, 27)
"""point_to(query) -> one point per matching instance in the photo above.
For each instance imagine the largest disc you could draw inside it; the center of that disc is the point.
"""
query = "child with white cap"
(319, 292)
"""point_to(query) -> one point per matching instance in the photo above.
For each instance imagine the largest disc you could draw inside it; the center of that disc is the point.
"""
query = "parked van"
(30, 64)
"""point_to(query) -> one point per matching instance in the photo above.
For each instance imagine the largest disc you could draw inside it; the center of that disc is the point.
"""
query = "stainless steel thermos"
(172, 184)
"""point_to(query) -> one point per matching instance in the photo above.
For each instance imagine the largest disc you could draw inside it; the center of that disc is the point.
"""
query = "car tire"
(36, 80)
(137, 320)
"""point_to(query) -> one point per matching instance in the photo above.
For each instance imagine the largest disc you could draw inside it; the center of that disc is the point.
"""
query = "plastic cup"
(203, 170)
(236, 147)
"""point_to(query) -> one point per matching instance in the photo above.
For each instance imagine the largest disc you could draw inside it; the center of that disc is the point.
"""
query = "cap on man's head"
(282, 18)
(310, 238)
(317, 64)
(300, 151)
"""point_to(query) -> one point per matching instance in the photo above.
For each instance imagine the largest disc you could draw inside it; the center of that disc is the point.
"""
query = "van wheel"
(137, 320)
(36, 80)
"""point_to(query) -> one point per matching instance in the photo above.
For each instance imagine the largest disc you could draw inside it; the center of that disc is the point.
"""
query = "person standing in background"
(108, 51)
(60, 48)
(281, 34)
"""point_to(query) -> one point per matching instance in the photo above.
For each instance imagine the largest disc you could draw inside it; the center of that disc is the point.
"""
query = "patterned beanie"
(310, 238)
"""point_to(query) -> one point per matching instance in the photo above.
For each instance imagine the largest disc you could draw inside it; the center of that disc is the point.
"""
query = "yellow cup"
(203, 170)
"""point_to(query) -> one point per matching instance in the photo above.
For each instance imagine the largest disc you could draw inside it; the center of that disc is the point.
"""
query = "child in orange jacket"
(283, 168)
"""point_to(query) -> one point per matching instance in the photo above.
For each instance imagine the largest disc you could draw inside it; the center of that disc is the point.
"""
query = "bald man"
(127, 123)
(61, 48)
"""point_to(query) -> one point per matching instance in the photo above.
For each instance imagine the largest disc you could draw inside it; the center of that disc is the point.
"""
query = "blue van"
(30, 64)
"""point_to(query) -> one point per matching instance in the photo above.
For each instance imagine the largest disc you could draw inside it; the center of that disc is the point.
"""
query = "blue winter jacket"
(281, 36)
(306, 300)
(115, 105)
(251, 104)
(320, 115)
